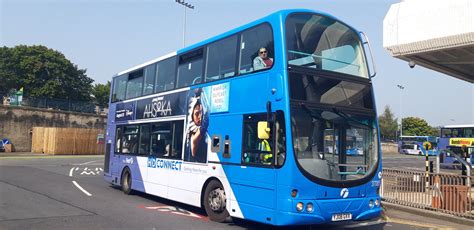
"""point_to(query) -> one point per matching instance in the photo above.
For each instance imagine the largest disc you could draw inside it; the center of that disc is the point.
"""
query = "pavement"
(400, 214)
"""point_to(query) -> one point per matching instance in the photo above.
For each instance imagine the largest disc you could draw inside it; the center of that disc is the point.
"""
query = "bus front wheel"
(215, 202)
(127, 182)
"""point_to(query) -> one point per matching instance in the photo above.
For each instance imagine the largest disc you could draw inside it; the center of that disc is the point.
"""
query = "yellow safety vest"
(268, 156)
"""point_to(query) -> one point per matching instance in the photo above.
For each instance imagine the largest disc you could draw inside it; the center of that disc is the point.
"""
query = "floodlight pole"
(401, 87)
(186, 5)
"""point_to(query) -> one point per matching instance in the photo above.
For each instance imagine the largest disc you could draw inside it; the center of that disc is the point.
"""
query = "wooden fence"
(70, 141)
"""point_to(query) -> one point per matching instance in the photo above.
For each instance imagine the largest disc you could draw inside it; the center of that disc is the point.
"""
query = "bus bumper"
(108, 177)
(325, 209)
(310, 219)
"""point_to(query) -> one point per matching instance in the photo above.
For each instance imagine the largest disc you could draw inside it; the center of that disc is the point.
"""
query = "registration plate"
(342, 216)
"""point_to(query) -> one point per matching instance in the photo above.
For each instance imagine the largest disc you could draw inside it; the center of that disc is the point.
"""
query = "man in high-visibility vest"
(267, 157)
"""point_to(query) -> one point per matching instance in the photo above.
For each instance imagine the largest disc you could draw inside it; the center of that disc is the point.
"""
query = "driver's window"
(254, 150)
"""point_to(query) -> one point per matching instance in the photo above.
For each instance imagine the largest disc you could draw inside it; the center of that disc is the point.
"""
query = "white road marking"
(70, 172)
(86, 163)
(80, 188)
(87, 173)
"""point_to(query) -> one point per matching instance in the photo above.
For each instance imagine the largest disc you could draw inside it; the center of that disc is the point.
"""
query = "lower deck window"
(160, 139)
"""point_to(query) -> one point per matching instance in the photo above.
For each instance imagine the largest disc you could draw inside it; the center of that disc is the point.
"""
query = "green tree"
(388, 124)
(101, 94)
(414, 126)
(42, 72)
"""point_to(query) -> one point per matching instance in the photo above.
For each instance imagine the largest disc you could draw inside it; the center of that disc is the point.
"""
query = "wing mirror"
(263, 130)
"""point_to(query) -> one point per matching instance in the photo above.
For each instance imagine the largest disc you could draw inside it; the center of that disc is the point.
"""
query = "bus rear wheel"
(215, 202)
(126, 182)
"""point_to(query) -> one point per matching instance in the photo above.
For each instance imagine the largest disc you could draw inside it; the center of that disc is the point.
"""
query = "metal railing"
(451, 194)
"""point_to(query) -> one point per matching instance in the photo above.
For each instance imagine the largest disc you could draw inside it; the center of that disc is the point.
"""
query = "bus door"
(252, 173)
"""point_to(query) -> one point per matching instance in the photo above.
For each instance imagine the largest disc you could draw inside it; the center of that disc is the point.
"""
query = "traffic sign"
(427, 145)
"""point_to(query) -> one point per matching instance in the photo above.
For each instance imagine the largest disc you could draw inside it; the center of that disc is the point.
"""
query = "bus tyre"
(215, 202)
(126, 182)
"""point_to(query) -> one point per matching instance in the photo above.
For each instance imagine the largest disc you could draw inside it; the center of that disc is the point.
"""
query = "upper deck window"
(190, 68)
(221, 58)
(120, 85)
(135, 84)
(149, 82)
(256, 49)
(165, 76)
(323, 43)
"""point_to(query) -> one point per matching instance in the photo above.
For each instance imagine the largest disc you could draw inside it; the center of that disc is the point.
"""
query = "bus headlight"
(371, 203)
(377, 202)
(299, 206)
(309, 207)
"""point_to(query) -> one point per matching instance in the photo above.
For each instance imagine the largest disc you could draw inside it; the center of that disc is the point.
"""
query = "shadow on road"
(236, 222)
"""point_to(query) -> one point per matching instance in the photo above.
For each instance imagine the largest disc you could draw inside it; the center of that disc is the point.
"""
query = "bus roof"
(274, 16)
(459, 126)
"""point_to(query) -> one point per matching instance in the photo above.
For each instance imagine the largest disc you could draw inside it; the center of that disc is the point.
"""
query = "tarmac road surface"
(68, 192)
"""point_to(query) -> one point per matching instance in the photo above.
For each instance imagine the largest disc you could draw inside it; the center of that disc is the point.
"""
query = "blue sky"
(108, 36)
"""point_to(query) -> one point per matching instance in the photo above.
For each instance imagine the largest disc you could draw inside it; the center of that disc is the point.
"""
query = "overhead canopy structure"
(436, 34)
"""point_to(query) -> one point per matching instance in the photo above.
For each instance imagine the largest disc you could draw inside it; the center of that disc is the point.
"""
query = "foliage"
(388, 124)
(414, 126)
(101, 94)
(42, 72)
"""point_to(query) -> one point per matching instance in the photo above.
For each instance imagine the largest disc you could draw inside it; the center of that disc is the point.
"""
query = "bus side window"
(221, 57)
(120, 86)
(251, 41)
(176, 151)
(165, 75)
(190, 68)
(149, 82)
(130, 139)
(134, 84)
(160, 138)
(118, 139)
(144, 148)
(167, 139)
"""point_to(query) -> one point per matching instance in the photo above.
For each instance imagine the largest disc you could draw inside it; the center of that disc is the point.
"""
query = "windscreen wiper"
(348, 117)
(311, 114)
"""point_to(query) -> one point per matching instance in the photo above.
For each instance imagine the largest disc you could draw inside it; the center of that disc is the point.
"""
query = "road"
(69, 192)
(412, 162)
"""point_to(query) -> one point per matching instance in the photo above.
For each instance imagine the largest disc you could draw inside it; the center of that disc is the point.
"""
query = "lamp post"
(401, 87)
(186, 5)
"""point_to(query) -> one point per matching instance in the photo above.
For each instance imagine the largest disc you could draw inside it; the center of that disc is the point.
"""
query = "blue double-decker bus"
(258, 123)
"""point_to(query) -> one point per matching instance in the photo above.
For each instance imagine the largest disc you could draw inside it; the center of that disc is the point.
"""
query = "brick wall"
(16, 123)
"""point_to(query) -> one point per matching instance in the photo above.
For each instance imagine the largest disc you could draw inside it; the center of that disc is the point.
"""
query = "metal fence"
(445, 193)
(61, 104)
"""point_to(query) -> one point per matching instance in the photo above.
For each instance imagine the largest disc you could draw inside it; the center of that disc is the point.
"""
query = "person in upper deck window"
(262, 61)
